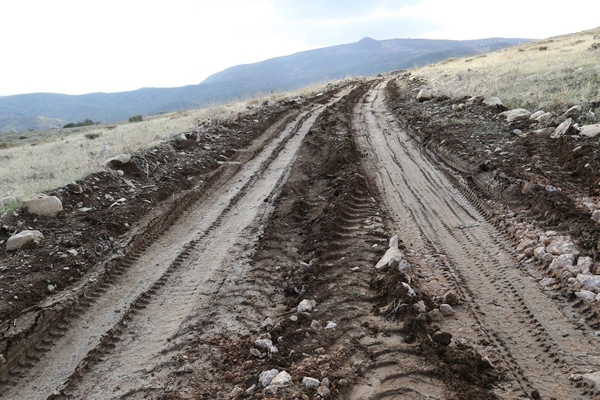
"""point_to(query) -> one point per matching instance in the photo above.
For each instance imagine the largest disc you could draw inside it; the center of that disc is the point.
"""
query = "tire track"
(534, 341)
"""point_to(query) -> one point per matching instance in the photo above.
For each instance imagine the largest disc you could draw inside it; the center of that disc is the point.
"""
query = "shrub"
(136, 118)
(85, 122)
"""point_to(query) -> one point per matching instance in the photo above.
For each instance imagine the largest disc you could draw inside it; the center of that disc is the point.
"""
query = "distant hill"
(364, 58)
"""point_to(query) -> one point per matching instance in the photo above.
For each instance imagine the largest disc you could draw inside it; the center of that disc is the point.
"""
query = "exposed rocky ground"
(453, 258)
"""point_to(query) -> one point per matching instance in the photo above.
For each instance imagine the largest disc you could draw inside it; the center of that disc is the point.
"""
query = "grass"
(34, 162)
(551, 74)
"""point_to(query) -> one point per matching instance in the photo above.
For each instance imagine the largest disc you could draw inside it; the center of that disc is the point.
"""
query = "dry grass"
(38, 161)
(550, 74)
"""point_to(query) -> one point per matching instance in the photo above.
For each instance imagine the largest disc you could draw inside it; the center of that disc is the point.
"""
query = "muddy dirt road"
(209, 302)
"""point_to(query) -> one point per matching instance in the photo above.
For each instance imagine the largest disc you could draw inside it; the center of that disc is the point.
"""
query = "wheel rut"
(140, 307)
(504, 313)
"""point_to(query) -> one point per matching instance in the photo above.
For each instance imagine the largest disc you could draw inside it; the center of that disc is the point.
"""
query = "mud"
(221, 236)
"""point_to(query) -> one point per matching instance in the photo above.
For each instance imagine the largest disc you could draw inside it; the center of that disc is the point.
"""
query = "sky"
(85, 46)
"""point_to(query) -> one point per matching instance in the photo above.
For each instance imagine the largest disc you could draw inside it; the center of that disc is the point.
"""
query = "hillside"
(363, 58)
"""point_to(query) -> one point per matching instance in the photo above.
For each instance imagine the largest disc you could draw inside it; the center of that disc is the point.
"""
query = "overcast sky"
(84, 46)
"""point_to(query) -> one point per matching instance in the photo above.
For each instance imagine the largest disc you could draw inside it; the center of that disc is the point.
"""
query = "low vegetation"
(136, 118)
(551, 74)
(86, 122)
(38, 161)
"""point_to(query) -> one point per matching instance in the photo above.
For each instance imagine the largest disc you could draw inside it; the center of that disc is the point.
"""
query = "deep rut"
(118, 336)
(505, 315)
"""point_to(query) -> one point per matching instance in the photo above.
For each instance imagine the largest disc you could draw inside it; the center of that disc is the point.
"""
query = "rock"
(585, 264)
(526, 243)
(590, 130)
(493, 102)
(442, 338)
(294, 318)
(590, 282)
(266, 377)
(562, 261)
(539, 252)
(420, 306)
(306, 306)
(409, 292)
(586, 295)
(264, 344)
(545, 117)
(573, 111)
(23, 240)
(561, 245)
(562, 129)
(596, 215)
(451, 298)
(392, 257)
(310, 382)
(74, 188)
(41, 204)
(543, 132)
(256, 353)
(536, 114)
(316, 325)
(330, 325)
(8, 200)
(118, 161)
(325, 382)
(228, 376)
(250, 391)
(237, 392)
(281, 379)
(424, 95)
(267, 323)
(435, 315)
(446, 309)
(324, 392)
(517, 114)
(475, 100)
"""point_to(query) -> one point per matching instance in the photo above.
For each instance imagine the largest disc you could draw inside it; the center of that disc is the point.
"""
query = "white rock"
(267, 323)
(590, 130)
(562, 261)
(316, 325)
(585, 264)
(8, 200)
(237, 392)
(410, 293)
(562, 129)
(42, 204)
(573, 111)
(24, 239)
(325, 382)
(306, 306)
(518, 114)
(118, 161)
(446, 309)
(310, 382)
(263, 343)
(324, 392)
(539, 252)
(420, 306)
(435, 315)
(536, 114)
(392, 256)
(586, 295)
(493, 101)
(266, 377)
(424, 95)
(281, 379)
(596, 215)
(590, 282)
(561, 245)
(330, 325)
(475, 100)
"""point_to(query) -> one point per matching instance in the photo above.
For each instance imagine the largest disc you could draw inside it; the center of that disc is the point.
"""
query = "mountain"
(363, 58)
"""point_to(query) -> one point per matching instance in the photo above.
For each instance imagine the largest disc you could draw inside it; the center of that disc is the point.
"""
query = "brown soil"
(315, 235)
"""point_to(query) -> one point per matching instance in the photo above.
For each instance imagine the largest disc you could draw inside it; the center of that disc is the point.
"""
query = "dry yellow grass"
(548, 74)
(54, 158)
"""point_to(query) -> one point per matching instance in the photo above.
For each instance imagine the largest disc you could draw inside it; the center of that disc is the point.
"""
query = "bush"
(85, 122)
(136, 118)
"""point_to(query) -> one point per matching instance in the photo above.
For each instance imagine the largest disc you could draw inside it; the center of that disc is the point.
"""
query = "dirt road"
(304, 213)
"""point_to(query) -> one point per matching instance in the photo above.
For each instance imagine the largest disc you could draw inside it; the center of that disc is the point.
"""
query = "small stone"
(420, 306)
(74, 188)
(250, 390)
(590, 130)
(325, 382)
(596, 215)
(424, 95)
(41, 204)
(562, 129)
(24, 239)
(306, 306)
(118, 161)
(266, 377)
(51, 288)
(263, 343)
(316, 325)
(442, 338)
(475, 100)
(536, 114)
(446, 309)
(8, 200)
(237, 392)
(281, 379)
(310, 382)
(573, 111)
(228, 376)
(330, 325)
(451, 298)
(294, 318)
(586, 295)
(493, 102)
(517, 114)
(324, 392)
(435, 315)
(267, 323)
(256, 353)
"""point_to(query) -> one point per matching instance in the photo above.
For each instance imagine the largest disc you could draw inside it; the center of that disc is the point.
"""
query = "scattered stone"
(250, 391)
(74, 188)
(392, 257)
(517, 114)
(561, 245)
(237, 392)
(410, 293)
(435, 315)
(51, 288)
(590, 282)
(330, 325)
(41, 204)
(544, 118)
(228, 376)
(451, 298)
(8, 200)
(267, 323)
(539, 252)
(325, 382)
(420, 306)
(310, 382)
(264, 344)
(294, 318)
(573, 111)
(544, 131)
(256, 353)
(536, 114)
(590, 130)
(585, 264)
(266, 377)
(446, 309)
(24, 239)
(324, 392)
(596, 215)
(493, 102)
(424, 95)
(118, 161)
(316, 325)
(475, 100)
(306, 306)
(562, 261)
(562, 129)
(281, 379)
(586, 295)
(442, 338)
